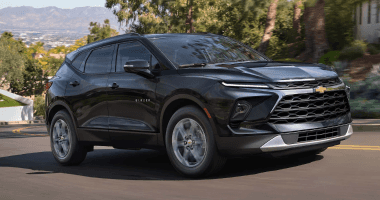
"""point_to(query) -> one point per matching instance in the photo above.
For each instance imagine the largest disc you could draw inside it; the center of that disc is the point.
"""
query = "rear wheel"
(190, 143)
(64, 144)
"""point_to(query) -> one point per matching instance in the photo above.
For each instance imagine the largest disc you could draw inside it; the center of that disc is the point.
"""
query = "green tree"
(99, 32)
(53, 64)
(34, 79)
(11, 59)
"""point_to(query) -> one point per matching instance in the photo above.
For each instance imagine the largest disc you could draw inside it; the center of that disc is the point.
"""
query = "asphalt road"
(29, 171)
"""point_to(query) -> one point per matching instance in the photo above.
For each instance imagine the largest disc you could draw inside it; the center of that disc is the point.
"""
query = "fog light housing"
(348, 89)
(240, 110)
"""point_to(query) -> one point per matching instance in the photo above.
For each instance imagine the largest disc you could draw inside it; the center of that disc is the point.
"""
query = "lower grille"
(318, 134)
(310, 107)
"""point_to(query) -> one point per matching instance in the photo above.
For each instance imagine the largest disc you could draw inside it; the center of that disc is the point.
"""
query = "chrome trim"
(290, 80)
(244, 85)
(278, 144)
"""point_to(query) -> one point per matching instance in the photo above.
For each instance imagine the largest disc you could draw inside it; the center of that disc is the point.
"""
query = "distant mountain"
(53, 18)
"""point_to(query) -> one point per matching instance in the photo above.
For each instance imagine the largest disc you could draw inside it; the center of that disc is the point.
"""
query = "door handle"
(75, 83)
(114, 86)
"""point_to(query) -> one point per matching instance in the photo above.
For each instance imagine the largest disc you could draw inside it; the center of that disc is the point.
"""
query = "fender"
(62, 102)
(188, 97)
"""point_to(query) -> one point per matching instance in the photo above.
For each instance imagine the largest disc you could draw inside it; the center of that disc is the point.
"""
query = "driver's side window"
(134, 51)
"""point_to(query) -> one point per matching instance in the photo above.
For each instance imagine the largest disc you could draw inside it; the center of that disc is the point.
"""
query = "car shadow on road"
(143, 165)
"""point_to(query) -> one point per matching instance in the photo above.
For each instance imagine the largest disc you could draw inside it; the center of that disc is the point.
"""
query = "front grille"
(306, 84)
(317, 134)
(311, 107)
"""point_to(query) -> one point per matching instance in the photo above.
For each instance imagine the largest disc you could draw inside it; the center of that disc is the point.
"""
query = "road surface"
(29, 171)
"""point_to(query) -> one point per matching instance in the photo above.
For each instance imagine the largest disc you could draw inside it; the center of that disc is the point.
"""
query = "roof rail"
(133, 33)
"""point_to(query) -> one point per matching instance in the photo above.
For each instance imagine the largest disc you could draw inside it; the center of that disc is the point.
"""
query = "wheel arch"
(56, 107)
(176, 102)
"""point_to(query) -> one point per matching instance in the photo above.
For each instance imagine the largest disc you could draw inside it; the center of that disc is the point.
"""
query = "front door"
(131, 100)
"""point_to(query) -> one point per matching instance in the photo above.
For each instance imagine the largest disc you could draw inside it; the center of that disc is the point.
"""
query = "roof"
(73, 54)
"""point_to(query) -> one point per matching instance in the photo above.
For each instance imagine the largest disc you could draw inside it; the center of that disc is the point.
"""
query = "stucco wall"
(16, 113)
(367, 31)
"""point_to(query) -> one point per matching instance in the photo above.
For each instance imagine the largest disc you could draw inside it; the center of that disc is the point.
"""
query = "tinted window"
(100, 60)
(134, 51)
(189, 49)
(79, 60)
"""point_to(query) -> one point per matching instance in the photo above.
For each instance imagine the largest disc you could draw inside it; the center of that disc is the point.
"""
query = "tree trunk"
(189, 19)
(269, 26)
(296, 19)
(316, 41)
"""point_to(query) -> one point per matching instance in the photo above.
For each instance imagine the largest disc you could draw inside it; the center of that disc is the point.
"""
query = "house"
(367, 22)
(37, 55)
(58, 55)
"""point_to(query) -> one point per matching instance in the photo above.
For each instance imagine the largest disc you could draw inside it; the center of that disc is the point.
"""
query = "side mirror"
(139, 67)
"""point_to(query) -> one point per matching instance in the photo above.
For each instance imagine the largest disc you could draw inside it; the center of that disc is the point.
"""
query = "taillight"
(48, 85)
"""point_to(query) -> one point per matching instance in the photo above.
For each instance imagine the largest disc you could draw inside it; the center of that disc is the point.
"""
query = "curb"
(22, 122)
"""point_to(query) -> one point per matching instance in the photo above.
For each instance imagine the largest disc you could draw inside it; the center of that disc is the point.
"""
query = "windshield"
(190, 49)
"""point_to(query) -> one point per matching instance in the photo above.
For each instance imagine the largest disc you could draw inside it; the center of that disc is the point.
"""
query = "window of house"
(100, 60)
(360, 13)
(369, 12)
(377, 12)
(134, 51)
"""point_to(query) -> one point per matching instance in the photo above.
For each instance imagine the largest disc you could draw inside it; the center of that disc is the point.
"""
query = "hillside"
(53, 18)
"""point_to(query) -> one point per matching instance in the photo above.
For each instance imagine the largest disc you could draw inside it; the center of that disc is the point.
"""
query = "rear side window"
(100, 60)
(79, 60)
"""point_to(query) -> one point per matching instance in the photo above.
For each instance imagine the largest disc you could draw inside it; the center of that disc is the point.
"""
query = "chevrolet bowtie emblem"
(320, 89)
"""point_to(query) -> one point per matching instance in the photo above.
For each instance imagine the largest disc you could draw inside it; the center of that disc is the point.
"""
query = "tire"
(198, 156)
(63, 140)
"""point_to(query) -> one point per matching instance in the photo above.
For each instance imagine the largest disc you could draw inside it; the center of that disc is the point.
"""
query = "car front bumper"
(278, 144)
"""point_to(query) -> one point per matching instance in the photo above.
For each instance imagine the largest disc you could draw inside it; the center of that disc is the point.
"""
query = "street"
(29, 171)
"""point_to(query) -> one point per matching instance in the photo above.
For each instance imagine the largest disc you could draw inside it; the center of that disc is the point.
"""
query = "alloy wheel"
(189, 142)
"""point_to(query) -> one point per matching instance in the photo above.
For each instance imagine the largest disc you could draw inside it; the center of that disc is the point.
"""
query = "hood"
(261, 71)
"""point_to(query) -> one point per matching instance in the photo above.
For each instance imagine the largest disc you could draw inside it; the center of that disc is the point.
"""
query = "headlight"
(250, 85)
(241, 110)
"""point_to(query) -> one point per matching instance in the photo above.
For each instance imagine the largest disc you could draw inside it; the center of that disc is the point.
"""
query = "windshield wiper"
(193, 65)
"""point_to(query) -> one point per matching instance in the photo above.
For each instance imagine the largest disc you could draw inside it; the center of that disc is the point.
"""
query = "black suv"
(203, 97)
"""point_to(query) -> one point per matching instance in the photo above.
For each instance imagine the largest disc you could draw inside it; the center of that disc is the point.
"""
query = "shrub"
(288, 60)
(339, 67)
(359, 43)
(39, 106)
(363, 108)
(351, 53)
(367, 89)
(373, 50)
(329, 57)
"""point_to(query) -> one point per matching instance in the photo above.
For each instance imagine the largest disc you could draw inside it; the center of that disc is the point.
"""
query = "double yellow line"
(357, 147)
(18, 131)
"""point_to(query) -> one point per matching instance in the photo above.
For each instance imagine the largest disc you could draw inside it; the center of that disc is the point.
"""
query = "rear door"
(87, 94)
(132, 102)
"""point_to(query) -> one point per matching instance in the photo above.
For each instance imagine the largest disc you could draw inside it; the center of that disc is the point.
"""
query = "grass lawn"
(9, 102)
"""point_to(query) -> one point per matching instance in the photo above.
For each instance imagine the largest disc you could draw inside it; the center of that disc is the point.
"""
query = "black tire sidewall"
(73, 139)
(197, 115)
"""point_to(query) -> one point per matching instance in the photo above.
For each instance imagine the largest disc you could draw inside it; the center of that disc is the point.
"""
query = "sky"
(45, 3)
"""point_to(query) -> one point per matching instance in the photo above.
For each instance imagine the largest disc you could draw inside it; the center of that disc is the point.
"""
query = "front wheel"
(190, 143)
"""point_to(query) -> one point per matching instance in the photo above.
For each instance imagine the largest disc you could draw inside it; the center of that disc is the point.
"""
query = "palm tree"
(269, 26)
